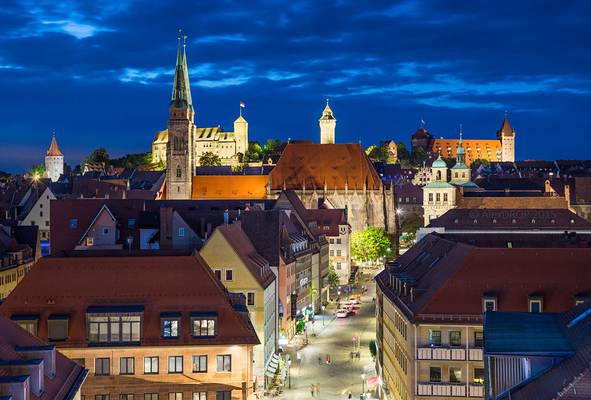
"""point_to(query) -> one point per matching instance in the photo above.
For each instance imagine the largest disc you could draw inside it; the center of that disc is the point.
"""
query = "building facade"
(149, 327)
(19, 251)
(241, 269)
(431, 302)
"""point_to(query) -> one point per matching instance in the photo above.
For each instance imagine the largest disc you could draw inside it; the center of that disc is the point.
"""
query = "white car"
(342, 313)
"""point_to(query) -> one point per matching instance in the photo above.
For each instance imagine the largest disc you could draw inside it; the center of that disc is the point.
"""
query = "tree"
(132, 160)
(333, 278)
(99, 155)
(370, 244)
(272, 146)
(254, 152)
(409, 227)
(404, 155)
(37, 171)
(210, 159)
(373, 350)
(480, 162)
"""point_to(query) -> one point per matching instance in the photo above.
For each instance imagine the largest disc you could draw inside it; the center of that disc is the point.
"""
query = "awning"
(272, 365)
(373, 381)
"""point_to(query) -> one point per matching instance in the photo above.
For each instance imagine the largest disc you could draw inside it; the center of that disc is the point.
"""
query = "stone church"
(227, 145)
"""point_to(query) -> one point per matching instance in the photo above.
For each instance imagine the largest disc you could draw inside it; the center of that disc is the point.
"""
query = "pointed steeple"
(181, 89)
(327, 112)
(54, 150)
(506, 129)
(460, 152)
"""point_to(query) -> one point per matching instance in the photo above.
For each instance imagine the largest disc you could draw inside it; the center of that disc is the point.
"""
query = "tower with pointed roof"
(179, 149)
(507, 137)
(54, 161)
(241, 134)
(328, 124)
(460, 172)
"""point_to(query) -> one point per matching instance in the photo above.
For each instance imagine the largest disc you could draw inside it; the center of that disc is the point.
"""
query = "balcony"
(442, 353)
(475, 354)
(441, 389)
(450, 389)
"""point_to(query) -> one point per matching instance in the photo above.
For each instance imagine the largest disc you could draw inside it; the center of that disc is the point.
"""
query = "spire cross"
(184, 41)
(460, 131)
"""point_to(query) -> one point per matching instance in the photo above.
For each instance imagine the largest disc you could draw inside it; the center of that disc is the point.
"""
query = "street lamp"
(363, 385)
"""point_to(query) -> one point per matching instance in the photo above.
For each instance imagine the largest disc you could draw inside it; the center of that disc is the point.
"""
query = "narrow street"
(343, 375)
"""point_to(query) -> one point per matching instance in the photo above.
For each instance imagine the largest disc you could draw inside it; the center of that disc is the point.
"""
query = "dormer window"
(119, 324)
(171, 324)
(57, 327)
(535, 303)
(489, 303)
(203, 324)
(29, 323)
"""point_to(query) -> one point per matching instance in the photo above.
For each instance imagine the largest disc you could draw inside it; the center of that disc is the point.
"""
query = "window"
(126, 397)
(444, 196)
(455, 374)
(434, 374)
(224, 363)
(151, 396)
(131, 223)
(127, 366)
(178, 172)
(438, 197)
(338, 253)
(430, 197)
(223, 395)
(455, 338)
(102, 366)
(105, 231)
(113, 328)
(175, 364)
(150, 365)
(170, 327)
(199, 363)
(535, 305)
(203, 327)
(101, 397)
(175, 396)
(57, 327)
(200, 396)
(338, 265)
(489, 304)
(181, 232)
(250, 298)
(479, 375)
(41, 213)
(478, 339)
(434, 338)
(332, 253)
(229, 275)
(218, 274)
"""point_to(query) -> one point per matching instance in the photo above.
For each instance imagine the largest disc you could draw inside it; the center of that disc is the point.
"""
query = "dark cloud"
(100, 71)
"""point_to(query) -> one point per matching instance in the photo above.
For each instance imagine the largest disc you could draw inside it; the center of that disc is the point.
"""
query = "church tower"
(179, 149)
(328, 125)
(54, 161)
(507, 137)
(460, 172)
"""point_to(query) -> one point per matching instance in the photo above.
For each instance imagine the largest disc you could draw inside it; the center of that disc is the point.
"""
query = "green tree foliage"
(132, 160)
(480, 162)
(404, 156)
(37, 171)
(377, 153)
(409, 227)
(254, 153)
(333, 278)
(370, 244)
(271, 146)
(99, 155)
(210, 159)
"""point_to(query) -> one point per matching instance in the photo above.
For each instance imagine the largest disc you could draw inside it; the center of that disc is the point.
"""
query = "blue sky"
(100, 72)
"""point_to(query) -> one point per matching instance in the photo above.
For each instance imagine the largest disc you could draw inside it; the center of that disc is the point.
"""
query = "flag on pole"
(242, 105)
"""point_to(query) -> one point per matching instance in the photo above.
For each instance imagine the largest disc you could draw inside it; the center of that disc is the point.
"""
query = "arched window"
(179, 173)
(438, 175)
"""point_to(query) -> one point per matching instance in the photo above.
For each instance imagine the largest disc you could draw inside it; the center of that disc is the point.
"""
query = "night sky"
(100, 72)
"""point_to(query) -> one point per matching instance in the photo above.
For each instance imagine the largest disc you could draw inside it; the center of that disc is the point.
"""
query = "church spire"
(181, 89)
(54, 150)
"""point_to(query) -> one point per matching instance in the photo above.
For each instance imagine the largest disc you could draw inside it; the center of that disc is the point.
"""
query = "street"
(343, 375)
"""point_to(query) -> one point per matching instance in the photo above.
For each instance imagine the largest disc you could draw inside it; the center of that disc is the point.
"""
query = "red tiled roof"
(185, 284)
(68, 374)
(54, 150)
(475, 149)
(451, 277)
(258, 265)
(312, 165)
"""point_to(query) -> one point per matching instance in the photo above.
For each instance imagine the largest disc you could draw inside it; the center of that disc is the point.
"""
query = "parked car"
(342, 313)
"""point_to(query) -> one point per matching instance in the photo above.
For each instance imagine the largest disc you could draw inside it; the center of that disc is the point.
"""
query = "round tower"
(54, 161)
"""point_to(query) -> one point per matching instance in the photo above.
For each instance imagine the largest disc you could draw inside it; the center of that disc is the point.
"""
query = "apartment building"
(431, 301)
(19, 251)
(31, 369)
(237, 264)
(147, 326)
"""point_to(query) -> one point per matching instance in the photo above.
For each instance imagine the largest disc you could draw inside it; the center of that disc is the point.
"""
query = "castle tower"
(439, 195)
(241, 134)
(179, 149)
(54, 161)
(328, 125)
(507, 137)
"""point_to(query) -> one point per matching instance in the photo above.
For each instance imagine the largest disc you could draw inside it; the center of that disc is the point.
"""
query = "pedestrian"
(318, 389)
(312, 389)
(319, 359)
(350, 396)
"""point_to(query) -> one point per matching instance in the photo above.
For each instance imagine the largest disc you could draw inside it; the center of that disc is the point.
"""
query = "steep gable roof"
(312, 165)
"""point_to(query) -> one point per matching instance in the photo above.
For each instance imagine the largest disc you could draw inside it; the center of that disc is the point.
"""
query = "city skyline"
(107, 79)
